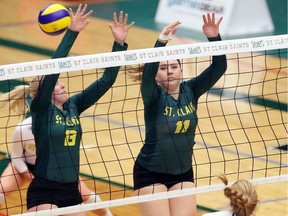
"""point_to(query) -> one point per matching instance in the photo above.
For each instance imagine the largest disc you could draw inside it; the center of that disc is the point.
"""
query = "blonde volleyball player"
(165, 160)
(23, 152)
(79, 21)
(23, 156)
(242, 196)
(56, 170)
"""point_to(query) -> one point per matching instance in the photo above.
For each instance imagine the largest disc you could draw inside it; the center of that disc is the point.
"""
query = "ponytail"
(242, 195)
(15, 100)
(134, 72)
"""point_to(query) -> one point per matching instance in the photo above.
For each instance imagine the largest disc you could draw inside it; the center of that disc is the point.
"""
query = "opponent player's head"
(243, 196)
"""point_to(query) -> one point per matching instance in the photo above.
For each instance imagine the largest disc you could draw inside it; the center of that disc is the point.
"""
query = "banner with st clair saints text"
(240, 17)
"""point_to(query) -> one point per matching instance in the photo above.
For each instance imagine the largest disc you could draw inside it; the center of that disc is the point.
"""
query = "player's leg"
(10, 181)
(91, 197)
(77, 214)
(182, 206)
(152, 208)
(50, 206)
(42, 207)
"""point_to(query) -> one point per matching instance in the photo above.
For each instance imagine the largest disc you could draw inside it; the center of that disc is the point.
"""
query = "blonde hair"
(243, 196)
(34, 86)
(15, 100)
(134, 72)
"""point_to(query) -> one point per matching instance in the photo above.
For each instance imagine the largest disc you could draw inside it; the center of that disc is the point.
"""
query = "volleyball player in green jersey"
(23, 151)
(165, 160)
(56, 125)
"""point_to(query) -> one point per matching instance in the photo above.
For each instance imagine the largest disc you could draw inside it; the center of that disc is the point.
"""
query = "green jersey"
(171, 124)
(58, 132)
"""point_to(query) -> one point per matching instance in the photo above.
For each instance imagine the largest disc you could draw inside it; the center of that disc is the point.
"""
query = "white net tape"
(103, 60)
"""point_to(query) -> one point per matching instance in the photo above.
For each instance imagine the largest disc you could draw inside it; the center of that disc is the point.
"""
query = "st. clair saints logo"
(130, 57)
(2, 72)
(194, 50)
(65, 64)
(257, 44)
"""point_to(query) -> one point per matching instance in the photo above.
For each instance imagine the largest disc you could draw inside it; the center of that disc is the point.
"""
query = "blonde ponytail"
(242, 195)
(134, 72)
(15, 100)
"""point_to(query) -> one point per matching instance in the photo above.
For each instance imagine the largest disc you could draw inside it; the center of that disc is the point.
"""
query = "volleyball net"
(242, 128)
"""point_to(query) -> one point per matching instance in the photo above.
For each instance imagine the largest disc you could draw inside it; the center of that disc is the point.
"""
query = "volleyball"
(54, 19)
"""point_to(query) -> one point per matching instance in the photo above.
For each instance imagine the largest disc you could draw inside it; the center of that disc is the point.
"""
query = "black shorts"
(41, 191)
(143, 177)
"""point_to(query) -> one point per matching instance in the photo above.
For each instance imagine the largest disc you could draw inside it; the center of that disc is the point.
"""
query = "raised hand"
(210, 28)
(169, 31)
(119, 28)
(79, 20)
